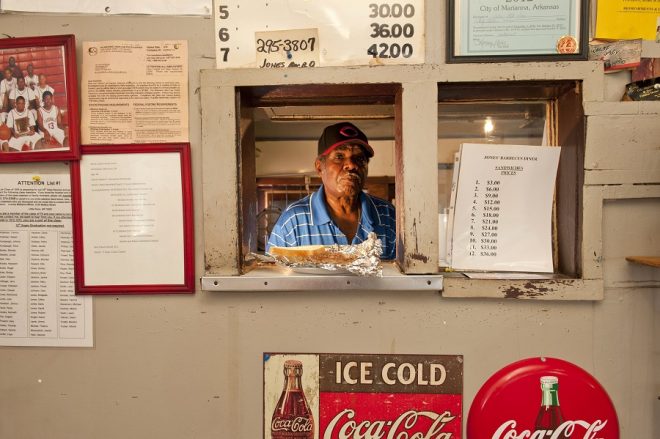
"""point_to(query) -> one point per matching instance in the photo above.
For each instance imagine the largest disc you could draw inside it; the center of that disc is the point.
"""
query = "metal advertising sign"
(362, 396)
(522, 401)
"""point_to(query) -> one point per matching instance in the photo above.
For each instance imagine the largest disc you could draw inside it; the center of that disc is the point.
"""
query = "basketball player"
(49, 120)
(42, 88)
(15, 69)
(26, 92)
(7, 84)
(22, 123)
(31, 79)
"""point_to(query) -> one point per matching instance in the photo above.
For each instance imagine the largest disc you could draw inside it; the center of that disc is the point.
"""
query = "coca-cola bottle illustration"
(550, 416)
(292, 417)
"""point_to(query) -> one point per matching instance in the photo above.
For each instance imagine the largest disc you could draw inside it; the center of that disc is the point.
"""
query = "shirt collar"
(370, 214)
(318, 207)
(320, 213)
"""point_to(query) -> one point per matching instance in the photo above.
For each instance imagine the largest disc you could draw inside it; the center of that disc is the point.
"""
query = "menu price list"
(502, 208)
(484, 219)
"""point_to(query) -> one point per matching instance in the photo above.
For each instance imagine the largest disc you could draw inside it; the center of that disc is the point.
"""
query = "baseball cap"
(341, 134)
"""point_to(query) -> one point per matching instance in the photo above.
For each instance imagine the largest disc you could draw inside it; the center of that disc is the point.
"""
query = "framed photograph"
(133, 219)
(516, 30)
(39, 99)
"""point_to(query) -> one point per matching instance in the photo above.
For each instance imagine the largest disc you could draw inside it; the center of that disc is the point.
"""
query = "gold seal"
(567, 44)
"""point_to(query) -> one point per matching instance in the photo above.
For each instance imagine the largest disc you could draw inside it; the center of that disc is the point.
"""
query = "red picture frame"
(80, 186)
(50, 61)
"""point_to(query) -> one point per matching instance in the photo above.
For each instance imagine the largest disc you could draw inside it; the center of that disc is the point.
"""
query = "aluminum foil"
(367, 259)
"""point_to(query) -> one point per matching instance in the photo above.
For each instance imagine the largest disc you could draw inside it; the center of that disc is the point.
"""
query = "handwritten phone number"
(274, 46)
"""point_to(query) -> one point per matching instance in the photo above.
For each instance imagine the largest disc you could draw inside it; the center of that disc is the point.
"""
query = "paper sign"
(134, 92)
(358, 32)
(616, 55)
(132, 220)
(288, 48)
(111, 7)
(627, 19)
(38, 305)
(503, 208)
(487, 27)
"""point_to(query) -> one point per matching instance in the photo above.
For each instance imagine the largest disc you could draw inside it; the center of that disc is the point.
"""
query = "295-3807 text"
(286, 45)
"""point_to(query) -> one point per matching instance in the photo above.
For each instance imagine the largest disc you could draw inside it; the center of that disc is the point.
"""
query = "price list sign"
(317, 33)
(503, 208)
(485, 216)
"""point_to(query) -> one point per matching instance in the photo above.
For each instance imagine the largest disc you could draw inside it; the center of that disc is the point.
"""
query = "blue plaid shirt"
(307, 222)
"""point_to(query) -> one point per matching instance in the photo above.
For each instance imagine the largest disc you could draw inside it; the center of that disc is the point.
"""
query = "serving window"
(259, 134)
(280, 127)
(523, 113)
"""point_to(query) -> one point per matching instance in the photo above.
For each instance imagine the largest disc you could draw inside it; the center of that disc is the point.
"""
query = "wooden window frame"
(417, 197)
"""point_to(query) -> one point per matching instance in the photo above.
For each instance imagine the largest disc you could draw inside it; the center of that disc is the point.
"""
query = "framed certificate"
(38, 99)
(133, 219)
(517, 30)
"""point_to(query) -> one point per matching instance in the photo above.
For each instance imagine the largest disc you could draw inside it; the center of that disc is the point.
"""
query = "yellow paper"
(627, 19)
(134, 92)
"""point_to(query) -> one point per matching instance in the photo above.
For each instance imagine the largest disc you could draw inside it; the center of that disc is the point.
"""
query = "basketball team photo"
(38, 99)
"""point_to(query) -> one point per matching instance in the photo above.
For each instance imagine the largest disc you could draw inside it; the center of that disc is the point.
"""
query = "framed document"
(133, 219)
(517, 30)
(38, 99)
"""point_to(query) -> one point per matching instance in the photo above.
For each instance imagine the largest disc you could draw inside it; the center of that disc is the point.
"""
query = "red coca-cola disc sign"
(542, 398)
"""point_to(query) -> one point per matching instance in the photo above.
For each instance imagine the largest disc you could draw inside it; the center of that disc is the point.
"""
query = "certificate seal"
(567, 44)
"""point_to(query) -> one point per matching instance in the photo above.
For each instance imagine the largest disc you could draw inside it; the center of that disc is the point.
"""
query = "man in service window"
(339, 212)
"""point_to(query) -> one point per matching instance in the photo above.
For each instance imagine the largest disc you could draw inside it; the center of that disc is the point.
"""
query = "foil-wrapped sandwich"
(362, 259)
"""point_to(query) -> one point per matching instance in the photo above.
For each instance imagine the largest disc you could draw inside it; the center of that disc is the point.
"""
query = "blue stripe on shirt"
(307, 222)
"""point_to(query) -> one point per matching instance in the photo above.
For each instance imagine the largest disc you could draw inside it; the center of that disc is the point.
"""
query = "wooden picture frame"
(44, 65)
(481, 31)
(133, 219)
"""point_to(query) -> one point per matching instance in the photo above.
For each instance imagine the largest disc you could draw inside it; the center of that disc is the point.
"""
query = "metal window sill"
(281, 279)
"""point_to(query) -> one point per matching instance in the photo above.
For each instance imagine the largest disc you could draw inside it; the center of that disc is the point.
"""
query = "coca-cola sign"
(295, 425)
(542, 398)
(430, 425)
(565, 429)
(362, 396)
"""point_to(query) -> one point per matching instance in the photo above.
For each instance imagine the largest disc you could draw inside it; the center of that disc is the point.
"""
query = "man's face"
(7, 74)
(21, 83)
(42, 80)
(344, 171)
(30, 69)
(20, 105)
(48, 101)
(12, 61)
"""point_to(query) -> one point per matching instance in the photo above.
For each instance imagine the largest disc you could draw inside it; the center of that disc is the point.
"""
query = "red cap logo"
(348, 131)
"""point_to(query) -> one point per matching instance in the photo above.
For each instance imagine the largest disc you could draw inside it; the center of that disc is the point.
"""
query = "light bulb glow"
(488, 126)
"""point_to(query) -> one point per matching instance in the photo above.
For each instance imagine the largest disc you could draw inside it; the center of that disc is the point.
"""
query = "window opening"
(282, 125)
(523, 113)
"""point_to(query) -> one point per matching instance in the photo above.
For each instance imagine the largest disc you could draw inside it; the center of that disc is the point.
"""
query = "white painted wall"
(190, 366)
